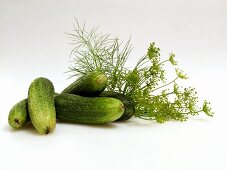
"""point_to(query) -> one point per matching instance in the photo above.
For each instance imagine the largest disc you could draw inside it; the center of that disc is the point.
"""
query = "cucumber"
(88, 110)
(41, 105)
(18, 115)
(90, 84)
(127, 101)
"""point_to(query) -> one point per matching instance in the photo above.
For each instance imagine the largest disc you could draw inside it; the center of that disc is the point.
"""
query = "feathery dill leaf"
(96, 51)
(146, 84)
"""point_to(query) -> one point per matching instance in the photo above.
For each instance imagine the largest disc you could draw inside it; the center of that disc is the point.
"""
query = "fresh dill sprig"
(97, 51)
(146, 84)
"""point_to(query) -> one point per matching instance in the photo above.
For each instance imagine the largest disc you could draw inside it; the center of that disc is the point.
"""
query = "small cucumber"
(41, 105)
(89, 110)
(90, 84)
(18, 115)
(127, 101)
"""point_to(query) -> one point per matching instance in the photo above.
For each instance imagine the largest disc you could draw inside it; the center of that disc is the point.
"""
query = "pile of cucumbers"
(83, 101)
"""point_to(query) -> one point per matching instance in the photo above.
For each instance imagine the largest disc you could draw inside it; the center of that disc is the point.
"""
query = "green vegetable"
(127, 101)
(18, 115)
(90, 84)
(155, 97)
(89, 110)
(41, 105)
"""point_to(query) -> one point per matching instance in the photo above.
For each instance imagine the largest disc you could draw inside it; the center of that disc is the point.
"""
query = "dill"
(154, 98)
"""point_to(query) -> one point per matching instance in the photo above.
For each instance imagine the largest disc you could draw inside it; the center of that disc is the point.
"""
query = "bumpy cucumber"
(18, 115)
(127, 101)
(41, 105)
(89, 110)
(90, 84)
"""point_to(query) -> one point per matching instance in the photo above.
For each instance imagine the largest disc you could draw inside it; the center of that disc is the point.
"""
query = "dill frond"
(93, 50)
(96, 51)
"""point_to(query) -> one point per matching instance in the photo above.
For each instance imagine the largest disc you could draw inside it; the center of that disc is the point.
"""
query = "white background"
(33, 44)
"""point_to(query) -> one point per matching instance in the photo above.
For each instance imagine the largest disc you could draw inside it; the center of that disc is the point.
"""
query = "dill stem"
(186, 113)
(169, 93)
(163, 62)
(140, 61)
(166, 84)
(125, 88)
(144, 118)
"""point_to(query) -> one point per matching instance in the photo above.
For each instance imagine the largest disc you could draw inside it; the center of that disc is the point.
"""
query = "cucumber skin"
(90, 84)
(41, 105)
(88, 110)
(18, 115)
(127, 101)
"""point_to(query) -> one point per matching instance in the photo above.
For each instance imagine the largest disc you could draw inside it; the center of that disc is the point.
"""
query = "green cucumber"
(18, 115)
(88, 110)
(41, 105)
(127, 101)
(90, 84)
